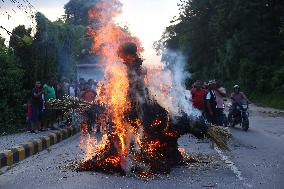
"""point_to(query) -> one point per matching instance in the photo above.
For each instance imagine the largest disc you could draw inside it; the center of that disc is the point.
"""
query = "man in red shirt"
(198, 93)
(88, 94)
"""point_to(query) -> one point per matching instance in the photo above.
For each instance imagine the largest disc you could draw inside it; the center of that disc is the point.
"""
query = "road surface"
(256, 161)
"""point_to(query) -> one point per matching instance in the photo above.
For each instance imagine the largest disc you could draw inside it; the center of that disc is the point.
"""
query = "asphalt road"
(256, 161)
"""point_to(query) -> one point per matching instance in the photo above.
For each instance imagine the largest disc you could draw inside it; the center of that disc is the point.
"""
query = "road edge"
(11, 156)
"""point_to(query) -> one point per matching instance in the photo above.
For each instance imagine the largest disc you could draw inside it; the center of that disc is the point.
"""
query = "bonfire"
(138, 134)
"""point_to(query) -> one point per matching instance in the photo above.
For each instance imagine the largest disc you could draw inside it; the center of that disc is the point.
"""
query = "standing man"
(49, 91)
(73, 89)
(88, 94)
(59, 91)
(210, 103)
(220, 93)
(65, 87)
(62, 88)
(37, 106)
(82, 83)
(49, 114)
(198, 94)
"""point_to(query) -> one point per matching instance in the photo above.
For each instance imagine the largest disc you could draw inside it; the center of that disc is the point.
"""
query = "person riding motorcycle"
(237, 98)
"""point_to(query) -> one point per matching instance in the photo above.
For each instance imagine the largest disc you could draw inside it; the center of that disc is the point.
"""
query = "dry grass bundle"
(68, 103)
(220, 136)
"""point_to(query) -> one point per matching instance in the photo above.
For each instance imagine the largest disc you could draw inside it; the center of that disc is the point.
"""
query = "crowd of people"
(39, 118)
(209, 99)
(206, 97)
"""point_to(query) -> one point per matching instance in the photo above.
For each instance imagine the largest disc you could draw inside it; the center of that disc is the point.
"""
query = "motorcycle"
(240, 115)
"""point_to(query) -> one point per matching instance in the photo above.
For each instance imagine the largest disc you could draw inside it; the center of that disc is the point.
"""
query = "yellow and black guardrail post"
(19, 153)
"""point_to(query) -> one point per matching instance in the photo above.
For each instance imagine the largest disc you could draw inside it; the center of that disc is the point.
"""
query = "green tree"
(11, 91)
(234, 40)
(21, 45)
(77, 11)
(56, 48)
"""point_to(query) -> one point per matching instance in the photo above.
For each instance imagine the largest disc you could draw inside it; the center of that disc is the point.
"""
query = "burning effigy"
(138, 121)
(136, 129)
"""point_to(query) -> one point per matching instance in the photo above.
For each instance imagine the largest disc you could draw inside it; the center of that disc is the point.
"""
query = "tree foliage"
(11, 90)
(56, 48)
(77, 11)
(51, 53)
(21, 45)
(234, 40)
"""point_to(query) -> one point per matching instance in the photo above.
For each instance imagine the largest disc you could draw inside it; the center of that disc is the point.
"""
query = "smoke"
(166, 84)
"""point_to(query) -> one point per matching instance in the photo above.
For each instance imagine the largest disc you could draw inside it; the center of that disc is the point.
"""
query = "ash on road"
(256, 161)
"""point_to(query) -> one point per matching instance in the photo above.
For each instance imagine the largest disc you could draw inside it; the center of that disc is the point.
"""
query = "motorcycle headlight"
(245, 106)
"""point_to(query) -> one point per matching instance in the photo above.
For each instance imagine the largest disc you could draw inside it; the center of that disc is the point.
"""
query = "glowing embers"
(156, 122)
(110, 161)
(110, 164)
(152, 148)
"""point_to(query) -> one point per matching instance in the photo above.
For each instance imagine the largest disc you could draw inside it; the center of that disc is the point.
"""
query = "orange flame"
(106, 35)
(118, 129)
(106, 39)
(87, 142)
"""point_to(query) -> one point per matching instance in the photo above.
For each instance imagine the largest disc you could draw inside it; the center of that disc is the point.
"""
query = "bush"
(11, 91)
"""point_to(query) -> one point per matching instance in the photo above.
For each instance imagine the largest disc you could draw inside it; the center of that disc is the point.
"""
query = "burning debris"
(139, 132)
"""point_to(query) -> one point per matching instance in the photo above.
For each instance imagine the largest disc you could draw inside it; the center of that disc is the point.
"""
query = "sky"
(146, 19)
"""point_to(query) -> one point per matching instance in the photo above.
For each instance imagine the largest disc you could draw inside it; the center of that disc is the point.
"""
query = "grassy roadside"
(12, 129)
(271, 100)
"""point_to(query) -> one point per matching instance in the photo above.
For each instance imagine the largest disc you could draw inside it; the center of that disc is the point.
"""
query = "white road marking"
(233, 167)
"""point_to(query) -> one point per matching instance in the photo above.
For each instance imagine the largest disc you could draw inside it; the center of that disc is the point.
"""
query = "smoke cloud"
(166, 84)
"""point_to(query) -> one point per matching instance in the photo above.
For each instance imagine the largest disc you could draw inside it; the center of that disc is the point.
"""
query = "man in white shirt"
(220, 93)
(210, 103)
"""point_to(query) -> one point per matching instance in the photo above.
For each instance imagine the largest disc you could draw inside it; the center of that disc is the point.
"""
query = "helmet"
(236, 87)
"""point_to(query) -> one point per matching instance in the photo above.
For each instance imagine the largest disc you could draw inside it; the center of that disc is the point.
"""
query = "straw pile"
(68, 104)
(220, 136)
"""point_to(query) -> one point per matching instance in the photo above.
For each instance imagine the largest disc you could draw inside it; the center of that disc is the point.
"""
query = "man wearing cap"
(210, 103)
